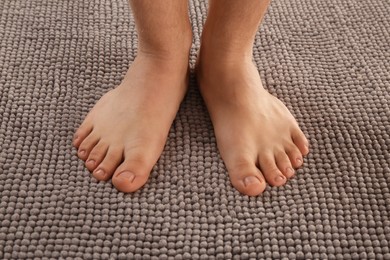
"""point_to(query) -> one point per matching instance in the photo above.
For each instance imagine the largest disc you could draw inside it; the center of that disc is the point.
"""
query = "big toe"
(128, 178)
(248, 180)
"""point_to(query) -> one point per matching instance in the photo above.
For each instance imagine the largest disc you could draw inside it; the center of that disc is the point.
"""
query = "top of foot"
(258, 138)
(124, 134)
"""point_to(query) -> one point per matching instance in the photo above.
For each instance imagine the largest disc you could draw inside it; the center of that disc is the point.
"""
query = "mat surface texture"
(328, 61)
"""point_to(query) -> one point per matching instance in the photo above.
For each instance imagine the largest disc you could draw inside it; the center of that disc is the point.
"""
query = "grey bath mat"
(327, 60)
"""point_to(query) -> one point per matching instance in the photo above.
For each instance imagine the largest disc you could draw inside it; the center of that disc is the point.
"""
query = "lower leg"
(231, 27)
(124, 134)
(163, 28)
(258, 138)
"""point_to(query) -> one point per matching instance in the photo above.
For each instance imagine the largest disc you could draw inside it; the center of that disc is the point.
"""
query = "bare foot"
(124, 134)
(258, 138)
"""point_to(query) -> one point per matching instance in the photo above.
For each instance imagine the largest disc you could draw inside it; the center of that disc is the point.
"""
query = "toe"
(284, 164)
(271, 171)
(87, 145)
(82, 132)
(301, 141)
(96, 156)
(109, 164)
(295, 155)
(131, 175)
(247, 178)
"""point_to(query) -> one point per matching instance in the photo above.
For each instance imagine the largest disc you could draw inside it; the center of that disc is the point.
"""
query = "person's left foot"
(258, 138)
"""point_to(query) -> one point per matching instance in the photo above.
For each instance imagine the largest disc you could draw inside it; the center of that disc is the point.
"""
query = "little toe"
(109, 164)
(294, 155)
(81, 133)
(271, 171)
(301, 141)
(247, 179)
(96, 156)
(87, 145)
(131, 176)
(284, 164)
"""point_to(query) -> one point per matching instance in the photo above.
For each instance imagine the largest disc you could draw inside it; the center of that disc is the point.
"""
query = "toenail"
(91, 162)
(279, 178)
(127, 175)
(82, 152)
(299, 160)
(75, 137)
(250, 180)
(100, 173)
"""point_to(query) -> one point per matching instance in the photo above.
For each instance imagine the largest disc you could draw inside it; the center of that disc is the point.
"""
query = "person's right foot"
(124, 134)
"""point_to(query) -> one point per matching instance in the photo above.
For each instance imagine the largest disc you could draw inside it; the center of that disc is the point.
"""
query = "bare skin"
(124, 134)
(258, 138)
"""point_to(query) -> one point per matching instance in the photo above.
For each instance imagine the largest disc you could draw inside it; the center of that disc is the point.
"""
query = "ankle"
(168, 65)
(211, 56)
(219, 61)
(172, 49)
(164, 59)
(225, 48)
(221, 72)
(158, 66)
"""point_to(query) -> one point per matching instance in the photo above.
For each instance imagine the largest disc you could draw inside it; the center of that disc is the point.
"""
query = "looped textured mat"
(328, 61)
